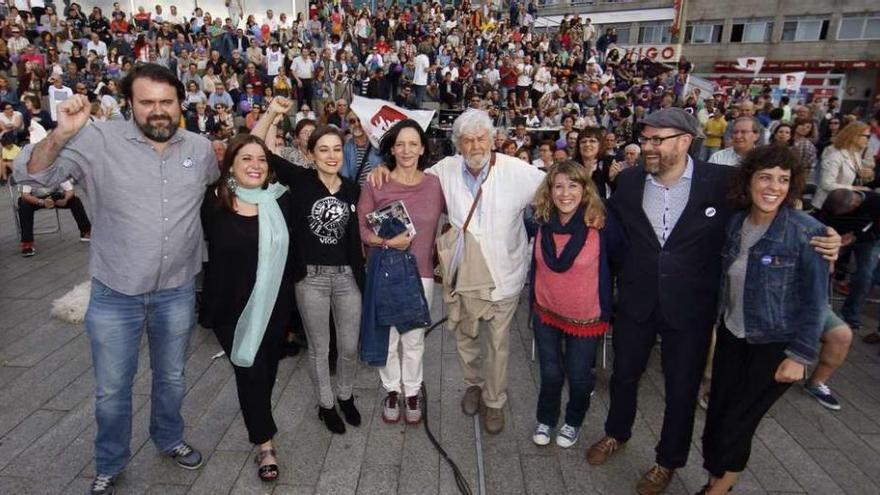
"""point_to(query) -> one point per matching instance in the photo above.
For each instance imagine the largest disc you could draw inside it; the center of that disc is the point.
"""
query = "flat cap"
(673, 118)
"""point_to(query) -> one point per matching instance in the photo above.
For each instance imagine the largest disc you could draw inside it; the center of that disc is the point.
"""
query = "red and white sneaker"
(391, 408)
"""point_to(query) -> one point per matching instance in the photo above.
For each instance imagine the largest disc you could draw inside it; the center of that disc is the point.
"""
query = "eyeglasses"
(353, 121)
(657, 140)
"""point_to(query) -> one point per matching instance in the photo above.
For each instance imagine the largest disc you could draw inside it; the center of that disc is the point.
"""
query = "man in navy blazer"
(674, 210)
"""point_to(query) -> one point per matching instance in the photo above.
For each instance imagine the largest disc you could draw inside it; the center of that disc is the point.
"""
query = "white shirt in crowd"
(497, 224)
(727, 156)
(302, 67)
(100, 48)
(56, 96)
(420, 77)
(524, 77)
(450, 70)
(274, 60)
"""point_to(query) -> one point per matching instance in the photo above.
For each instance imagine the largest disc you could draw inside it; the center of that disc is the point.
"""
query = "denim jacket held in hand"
(786, 284)
(393, 296)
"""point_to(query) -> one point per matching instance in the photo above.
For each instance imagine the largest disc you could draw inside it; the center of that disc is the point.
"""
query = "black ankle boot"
(331, 420)
(352, 416)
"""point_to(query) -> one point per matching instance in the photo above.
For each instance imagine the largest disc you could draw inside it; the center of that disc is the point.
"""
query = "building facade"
(835, 42)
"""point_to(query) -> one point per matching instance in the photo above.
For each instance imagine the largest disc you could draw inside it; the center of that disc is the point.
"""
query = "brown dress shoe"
(470, 403)
(600, 451)
(493, 420)
(655, 481)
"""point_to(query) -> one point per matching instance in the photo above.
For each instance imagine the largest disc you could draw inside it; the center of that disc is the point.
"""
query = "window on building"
(859, 27)
(623, 31)
(654, 33)
(703, 32)
(751, 31)
(805, 29)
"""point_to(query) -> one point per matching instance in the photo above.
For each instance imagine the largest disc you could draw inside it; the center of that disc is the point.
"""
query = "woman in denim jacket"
(773, 296)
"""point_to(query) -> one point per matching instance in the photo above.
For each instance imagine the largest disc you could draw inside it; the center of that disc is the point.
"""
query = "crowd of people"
(618, 197)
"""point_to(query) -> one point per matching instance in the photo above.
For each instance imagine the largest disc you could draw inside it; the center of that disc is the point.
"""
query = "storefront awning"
(605, 18)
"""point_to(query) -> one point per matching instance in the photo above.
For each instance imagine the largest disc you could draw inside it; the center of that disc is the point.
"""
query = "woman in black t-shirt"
(329, 267)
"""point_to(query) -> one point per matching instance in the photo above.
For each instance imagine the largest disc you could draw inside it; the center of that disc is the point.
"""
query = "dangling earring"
(231, 184)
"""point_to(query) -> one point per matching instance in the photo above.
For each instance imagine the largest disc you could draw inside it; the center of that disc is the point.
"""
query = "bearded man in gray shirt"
(146, 179)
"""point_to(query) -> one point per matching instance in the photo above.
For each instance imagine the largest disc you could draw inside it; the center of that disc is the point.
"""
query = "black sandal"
(269, 472)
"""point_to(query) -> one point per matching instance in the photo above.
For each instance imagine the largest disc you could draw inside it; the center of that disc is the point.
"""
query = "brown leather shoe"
(600, 451)
(470, 403)
(655, 481)
(493, 419)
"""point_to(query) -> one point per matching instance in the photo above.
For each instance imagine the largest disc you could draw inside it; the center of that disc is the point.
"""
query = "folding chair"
(13, 200)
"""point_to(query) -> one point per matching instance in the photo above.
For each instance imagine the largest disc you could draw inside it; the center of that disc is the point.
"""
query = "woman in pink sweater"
(571, 294)
(405, 148)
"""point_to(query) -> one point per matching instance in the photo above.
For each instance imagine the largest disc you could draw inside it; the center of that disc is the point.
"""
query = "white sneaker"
(568, 435)
(542, 435)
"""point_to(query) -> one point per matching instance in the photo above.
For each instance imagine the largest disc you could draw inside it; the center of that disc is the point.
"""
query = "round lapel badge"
(766, 260)
(710, 212)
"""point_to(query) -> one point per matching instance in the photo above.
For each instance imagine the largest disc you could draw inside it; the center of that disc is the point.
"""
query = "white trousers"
(405, 351)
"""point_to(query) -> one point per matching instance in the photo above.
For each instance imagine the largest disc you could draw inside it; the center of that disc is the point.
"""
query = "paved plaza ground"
(47, 425)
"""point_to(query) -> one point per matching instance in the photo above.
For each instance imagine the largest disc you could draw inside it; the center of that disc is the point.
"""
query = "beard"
(659, 163)
(476, 161)
(158, 133)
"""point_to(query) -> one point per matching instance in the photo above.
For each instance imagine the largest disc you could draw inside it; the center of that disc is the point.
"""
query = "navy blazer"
(681, 278)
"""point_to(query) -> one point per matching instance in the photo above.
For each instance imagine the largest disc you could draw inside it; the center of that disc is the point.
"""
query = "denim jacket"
(393, 296)
(350, 163)
(786, 283)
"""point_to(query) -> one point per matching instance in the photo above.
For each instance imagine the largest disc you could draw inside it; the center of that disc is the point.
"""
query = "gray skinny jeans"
(322, 288)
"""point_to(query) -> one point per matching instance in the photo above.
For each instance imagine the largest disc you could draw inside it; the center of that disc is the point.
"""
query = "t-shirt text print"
(328, 219)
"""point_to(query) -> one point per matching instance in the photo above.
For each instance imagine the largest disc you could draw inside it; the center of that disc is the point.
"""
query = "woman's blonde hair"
(848, 135)
(594, 212)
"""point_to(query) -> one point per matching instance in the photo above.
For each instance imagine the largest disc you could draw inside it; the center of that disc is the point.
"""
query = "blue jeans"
(575, 363)
(860, 282)
(115, 323)
(419, 91)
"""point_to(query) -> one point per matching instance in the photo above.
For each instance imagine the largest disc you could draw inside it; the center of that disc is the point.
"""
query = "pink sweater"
(424, 202)
(569, 300)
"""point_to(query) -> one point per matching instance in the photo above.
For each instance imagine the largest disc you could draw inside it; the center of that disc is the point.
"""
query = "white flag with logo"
(792, 81)
(698, 87)
(377, 116)
(751, 64)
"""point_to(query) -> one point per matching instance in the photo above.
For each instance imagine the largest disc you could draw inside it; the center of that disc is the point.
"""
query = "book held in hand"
(393, 210)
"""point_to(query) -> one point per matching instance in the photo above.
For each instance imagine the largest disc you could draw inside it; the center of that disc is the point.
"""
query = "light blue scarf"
(271, 258)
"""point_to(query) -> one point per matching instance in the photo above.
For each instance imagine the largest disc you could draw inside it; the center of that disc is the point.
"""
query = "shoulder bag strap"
(479, 195)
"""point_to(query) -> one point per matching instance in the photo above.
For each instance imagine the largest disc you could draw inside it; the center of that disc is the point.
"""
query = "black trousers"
(683, 357)
(743, 390)
(304, 94)
(255, 384)
(26, 217)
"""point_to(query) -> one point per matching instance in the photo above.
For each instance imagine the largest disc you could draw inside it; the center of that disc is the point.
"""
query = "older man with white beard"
(508, 187)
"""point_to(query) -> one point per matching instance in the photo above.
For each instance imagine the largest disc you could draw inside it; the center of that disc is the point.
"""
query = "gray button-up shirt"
(664, 205)
(146, 229)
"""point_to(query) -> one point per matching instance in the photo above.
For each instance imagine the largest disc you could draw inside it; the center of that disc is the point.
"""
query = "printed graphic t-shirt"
(320, 220)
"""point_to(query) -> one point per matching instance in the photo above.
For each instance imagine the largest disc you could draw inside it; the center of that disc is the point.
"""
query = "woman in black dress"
(248, 284)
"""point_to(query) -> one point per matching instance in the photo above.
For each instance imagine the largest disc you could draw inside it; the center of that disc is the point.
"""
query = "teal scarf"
(272, 256)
